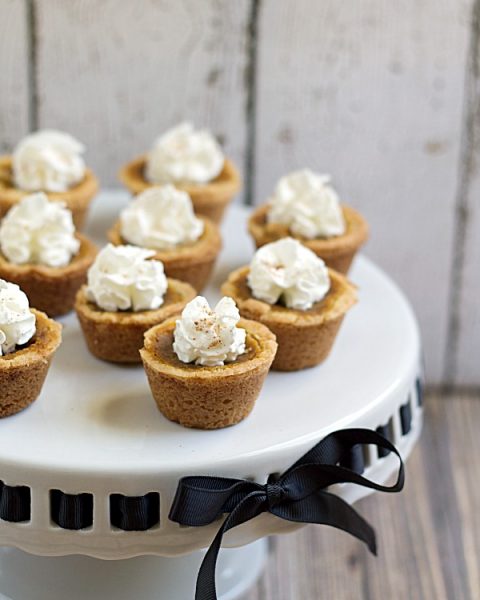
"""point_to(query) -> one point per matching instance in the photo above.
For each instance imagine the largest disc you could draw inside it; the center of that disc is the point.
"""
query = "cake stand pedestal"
(95, 441)
(25, 576)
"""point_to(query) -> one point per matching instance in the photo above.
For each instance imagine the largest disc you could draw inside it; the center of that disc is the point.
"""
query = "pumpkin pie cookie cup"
(192, 263)
(209, 199)
(23, 372)
(118, 336)
(338, 252)
(76, 198)
(305, 337)
(52, 289)
(207, 397)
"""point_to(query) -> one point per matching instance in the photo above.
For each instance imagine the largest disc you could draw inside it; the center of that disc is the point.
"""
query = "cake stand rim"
(148, 469)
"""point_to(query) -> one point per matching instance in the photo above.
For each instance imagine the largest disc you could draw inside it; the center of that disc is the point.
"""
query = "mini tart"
(118, 336)
(192, 263)
(23, 372)
(338, 252)
(305, 337)
(207, 397)
(76, 198)
(52, 289)
(209, 199)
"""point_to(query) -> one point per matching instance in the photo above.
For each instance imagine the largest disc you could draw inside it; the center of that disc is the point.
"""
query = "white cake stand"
(95, 430)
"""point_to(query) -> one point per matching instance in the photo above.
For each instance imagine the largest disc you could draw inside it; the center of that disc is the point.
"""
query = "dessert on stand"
(289, 289)
(48, 161)
(28, 341)
(126, 294)
(305, 206)
(162, 219)
(41, 252)
(234, 356)
(92, 470)
(193, 161)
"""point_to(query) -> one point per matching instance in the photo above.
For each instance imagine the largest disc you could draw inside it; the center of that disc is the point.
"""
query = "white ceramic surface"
(140, 578)
(96, 429)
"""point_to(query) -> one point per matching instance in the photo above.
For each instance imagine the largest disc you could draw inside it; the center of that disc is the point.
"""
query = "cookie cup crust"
(192, 263)
(338, 252)
(23, 372)
(208, 397)
(305, 338)
(209, 199)
(118, 336)
(76, 198)
(52, 289)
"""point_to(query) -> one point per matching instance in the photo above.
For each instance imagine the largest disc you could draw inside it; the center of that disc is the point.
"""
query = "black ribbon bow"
(298, 495)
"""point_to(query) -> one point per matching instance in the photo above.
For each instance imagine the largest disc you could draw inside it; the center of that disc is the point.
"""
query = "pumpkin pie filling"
(163, 351)
(338, 299)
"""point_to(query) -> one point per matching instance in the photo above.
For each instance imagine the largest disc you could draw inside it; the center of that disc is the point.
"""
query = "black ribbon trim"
(419, 387)
(299, 495)
(406, 418)
(135, 513)
(71, 511)
(386, 432)
(14, 503)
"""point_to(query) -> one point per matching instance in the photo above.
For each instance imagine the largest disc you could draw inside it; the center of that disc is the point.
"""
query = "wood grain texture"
(372, 93)
(463, 365)
(118, 74)
(429, 535)
(311, 565)
(14, 85)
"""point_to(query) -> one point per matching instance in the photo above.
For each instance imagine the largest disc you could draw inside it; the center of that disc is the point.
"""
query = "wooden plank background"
(14, 72)
(384, 96)
(117, 74)
(463, 362)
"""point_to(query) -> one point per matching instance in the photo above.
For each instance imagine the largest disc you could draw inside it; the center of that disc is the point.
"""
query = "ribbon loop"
(275, 492)
(298, 495)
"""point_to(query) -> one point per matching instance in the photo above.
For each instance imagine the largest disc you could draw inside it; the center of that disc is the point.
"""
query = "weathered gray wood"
(422, 550)
(467, 370)
(464, 452)
(117, 74)
(464, 366)
(301, 563)
(14, 85)
(429, 535)
(372, 92)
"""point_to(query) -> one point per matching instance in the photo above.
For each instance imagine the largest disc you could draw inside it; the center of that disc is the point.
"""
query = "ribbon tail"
(324, 508)
(251, 506)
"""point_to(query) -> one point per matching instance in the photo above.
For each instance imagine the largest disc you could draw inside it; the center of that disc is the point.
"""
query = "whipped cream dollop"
(48, 160)
(307, 204)
(288, 272)
(37, 231)
(184, 155)
(161, 218)
(17, 322)
(122, 278)
(209, 337)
